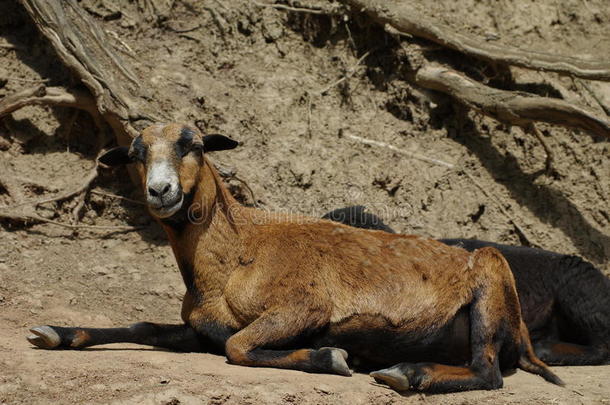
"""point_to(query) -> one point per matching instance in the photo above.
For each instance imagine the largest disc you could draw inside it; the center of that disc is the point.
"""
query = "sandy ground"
(250, 80)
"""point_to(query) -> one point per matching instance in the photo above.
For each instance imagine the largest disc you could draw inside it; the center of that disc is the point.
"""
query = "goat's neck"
(211, 221)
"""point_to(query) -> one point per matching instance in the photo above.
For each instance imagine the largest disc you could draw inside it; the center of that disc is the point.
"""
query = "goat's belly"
(372, 341)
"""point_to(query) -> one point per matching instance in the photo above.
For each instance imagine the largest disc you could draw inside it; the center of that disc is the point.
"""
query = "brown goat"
(262, 287)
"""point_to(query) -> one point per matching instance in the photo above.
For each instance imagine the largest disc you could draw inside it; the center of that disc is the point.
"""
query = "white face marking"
(164, 195)
(161, 172)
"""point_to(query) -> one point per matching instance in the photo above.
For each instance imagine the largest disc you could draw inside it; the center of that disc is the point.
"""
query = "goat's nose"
(159, 190)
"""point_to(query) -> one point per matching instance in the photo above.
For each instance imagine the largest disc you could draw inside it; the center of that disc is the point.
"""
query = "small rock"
(323, 389)
(164, 380)
(139, 308)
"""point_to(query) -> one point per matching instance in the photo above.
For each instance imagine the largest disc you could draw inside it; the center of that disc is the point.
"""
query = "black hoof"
(393, 377)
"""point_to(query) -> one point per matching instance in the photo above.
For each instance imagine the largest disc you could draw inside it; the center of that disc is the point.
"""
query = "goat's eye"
(184, 149)
(138, 150)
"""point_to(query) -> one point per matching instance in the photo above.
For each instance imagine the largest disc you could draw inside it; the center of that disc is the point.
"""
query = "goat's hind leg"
(175, 337)
(496, 330)
(560, 353)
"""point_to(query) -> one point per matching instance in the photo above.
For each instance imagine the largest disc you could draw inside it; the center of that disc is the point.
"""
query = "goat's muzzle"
(164, 194)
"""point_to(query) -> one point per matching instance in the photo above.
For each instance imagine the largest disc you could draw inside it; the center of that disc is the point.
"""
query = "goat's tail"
(528, 361)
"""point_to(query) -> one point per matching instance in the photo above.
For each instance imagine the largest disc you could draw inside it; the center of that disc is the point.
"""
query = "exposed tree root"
(511, 107)
(55, 96)
(84, 47)
(404, 18)
(319, 11)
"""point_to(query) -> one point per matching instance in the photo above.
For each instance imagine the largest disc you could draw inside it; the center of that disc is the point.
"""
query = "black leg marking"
(175, 337)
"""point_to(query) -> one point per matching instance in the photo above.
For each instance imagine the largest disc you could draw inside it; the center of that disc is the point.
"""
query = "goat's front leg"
(174, 337)
(259, 344)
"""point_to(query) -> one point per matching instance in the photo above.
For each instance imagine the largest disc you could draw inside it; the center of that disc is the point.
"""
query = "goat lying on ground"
(565, 301)
(261, 287)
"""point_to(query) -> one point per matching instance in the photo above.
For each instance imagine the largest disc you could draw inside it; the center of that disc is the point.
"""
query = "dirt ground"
(251, 73)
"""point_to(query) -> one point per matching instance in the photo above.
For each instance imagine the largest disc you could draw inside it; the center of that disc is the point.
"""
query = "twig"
(127, 49)
(35, 218)
(309, 132)
(80, 189)
(317, 11)
(78, 208)
(350, 72)
(459, 168)
(119, 197)
(403, 16)
(217, 20)
(9, 46)
(550, 156)
(242, 181)
(576, 391)
(183, 30)
(402, 151)
(511, 107)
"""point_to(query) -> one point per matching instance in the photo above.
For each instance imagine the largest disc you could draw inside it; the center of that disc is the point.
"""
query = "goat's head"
(168, 158)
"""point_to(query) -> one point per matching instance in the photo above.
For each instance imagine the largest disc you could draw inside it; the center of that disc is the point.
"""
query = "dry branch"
(56, 96)
(32, 219)
(118, 197)
(318, 11)
(82, 188)
(511, 107)
(404, 17)
(412, 155)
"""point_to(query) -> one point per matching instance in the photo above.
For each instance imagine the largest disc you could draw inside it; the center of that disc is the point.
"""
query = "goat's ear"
(215, 142)
(116, 157)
